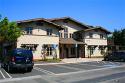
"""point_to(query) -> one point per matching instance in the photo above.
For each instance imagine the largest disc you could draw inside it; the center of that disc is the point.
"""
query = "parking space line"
(88, 70)
(2, 74)
(104, 62)
(90, 65)
(69, 67)
(19, 79)
(8, 74)
(43, 70)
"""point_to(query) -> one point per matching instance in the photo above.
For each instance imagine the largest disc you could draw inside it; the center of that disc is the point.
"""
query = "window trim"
(101, 36)
(90, 35)
(49, 32)
(70, 35)
(29, 30)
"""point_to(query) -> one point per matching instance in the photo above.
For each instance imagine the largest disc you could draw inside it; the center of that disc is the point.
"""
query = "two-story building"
(62, 38)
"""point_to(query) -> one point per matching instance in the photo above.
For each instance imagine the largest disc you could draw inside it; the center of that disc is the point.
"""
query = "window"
(91, 50)
(49, 51)
(60, 35)
(49, 31)
(29, 46)
(101, 36)
(65, 29)
(90, 35)
(70, 35)
(65, 35)
(28, 30)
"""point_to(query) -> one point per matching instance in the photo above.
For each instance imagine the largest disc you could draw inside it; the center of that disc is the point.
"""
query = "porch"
(70, 48)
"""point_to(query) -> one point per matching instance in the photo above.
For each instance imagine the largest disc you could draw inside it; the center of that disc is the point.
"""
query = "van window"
(23, 53)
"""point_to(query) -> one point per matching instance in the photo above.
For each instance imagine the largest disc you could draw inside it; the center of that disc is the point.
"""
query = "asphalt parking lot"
(59, 69)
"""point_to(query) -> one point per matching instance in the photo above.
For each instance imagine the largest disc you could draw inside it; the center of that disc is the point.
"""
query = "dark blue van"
(18, 59)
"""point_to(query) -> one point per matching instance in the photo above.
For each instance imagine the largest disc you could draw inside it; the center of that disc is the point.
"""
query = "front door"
(67, 53)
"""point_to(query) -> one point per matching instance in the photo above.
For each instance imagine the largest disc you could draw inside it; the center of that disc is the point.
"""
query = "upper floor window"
(90, 35)
(60, 35)
(49, 31)
(28, 30)
(101, 36)
(65, 35)
(70, 35)
(65, 29)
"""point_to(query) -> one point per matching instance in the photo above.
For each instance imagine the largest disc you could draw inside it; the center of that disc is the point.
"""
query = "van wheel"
(2, 65)
(9, 69)
(29, 69)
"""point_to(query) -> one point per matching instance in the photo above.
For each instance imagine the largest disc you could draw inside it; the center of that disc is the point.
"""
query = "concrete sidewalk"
(77, 60)
(69, 60)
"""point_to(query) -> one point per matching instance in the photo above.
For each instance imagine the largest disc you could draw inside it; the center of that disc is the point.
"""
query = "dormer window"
(28, 30)
(49, 31)
(39, 23)
(101, 36)
(90, 35)
(65, 29)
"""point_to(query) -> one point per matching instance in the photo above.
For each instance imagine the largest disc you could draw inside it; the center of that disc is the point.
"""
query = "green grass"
(49, 60)
(52, 60)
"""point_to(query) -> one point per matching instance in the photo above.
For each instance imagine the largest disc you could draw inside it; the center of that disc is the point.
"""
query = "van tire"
(9, 69)
(29, 69)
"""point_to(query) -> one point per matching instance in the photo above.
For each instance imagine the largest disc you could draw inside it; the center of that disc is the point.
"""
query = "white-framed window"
(101, 36)
(90, 35)
(32, 47)
(29, 30)
(49, 31)
(60, 35)
(65, 35)
(70, 35)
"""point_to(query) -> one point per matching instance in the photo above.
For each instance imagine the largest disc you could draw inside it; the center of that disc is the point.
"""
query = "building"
(62, 37)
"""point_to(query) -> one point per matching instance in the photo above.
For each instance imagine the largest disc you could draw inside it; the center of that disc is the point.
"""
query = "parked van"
(115, 56)
(18, 59)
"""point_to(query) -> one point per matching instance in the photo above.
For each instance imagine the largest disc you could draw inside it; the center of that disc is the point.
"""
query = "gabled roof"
(39, 19)
(68, 18)
(95, 28)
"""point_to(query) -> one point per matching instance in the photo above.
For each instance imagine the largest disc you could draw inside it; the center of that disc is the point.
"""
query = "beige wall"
(72, 27)
(40, 30)
(95, 41)
(96, 34)
(39, 37)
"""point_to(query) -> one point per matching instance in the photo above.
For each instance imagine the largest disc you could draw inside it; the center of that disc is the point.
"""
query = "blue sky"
(109, 14)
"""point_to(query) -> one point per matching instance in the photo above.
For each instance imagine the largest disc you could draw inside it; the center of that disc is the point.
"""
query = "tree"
(119, 37)
(9, 32)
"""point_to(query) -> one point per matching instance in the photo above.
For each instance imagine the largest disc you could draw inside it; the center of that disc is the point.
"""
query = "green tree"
(119, 37)
(9, 32)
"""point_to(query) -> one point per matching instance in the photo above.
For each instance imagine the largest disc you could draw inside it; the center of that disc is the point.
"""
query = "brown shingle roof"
(39, 19)
(108, 32)
(69, 18)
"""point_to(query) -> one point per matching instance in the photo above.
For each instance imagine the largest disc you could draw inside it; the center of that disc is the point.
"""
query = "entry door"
(67, 52)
